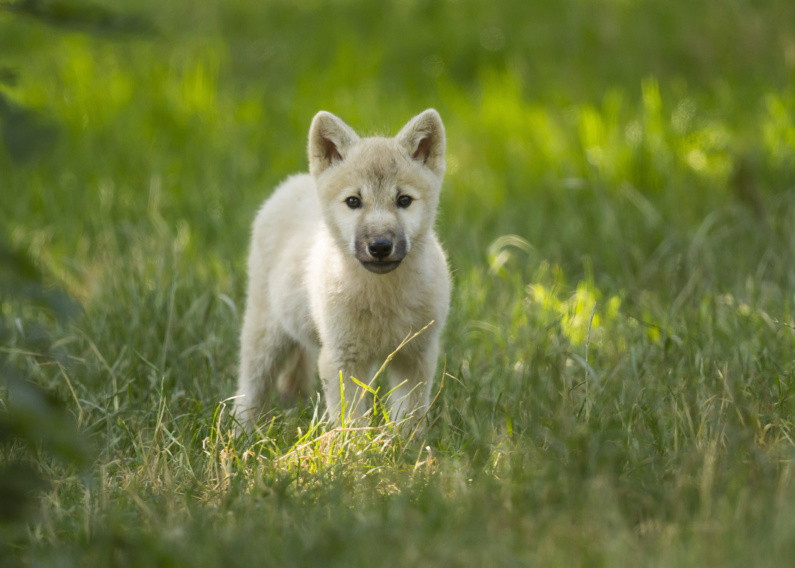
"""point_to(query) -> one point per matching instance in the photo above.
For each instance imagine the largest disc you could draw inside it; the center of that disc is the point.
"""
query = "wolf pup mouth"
(380, 266)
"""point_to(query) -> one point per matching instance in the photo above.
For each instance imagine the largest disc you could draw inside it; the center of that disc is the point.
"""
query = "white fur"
(310, 299)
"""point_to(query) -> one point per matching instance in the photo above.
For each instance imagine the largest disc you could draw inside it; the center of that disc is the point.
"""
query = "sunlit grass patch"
(353, 452)
(358, 440)
(366, 455)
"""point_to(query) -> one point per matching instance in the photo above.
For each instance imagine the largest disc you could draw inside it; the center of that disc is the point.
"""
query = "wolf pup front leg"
(344, 265)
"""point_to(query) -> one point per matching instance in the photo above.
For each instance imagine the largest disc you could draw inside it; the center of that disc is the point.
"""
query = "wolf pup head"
(378, 195)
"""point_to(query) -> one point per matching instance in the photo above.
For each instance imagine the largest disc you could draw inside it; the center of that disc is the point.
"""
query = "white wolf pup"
(344, 264)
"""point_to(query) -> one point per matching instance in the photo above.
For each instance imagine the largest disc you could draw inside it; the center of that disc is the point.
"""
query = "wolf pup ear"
(423, 139)
(329, 140)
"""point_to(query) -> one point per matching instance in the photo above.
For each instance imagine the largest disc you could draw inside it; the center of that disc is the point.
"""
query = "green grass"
(638, 157)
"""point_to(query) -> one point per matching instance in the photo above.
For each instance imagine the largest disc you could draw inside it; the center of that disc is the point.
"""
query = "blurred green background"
(191, 112)
(629, 161)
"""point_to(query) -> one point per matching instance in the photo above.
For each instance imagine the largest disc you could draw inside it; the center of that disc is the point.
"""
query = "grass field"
(618, 377)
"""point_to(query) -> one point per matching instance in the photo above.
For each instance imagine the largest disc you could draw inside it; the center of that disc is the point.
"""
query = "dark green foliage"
(31, 421)
(82, 16)
(24, 135)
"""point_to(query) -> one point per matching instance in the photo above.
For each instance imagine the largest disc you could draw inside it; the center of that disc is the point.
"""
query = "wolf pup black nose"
(380, 248)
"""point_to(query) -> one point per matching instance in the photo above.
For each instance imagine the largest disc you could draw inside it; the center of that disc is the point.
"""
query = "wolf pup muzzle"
(380, 254)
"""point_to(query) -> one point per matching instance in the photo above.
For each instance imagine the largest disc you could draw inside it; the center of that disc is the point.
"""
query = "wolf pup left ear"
(329, 140)
(423, 139)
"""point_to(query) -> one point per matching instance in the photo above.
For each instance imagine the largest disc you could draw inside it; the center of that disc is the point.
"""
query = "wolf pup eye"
(404, 201)
(353, 202)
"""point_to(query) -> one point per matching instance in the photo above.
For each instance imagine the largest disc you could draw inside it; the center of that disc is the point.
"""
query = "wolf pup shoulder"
(344, 264)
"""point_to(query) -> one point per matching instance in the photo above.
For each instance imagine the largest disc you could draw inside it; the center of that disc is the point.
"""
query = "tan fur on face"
(316, 290)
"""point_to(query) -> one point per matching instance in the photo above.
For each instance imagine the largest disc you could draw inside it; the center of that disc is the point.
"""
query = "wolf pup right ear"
(423, 139)
(329, 140)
